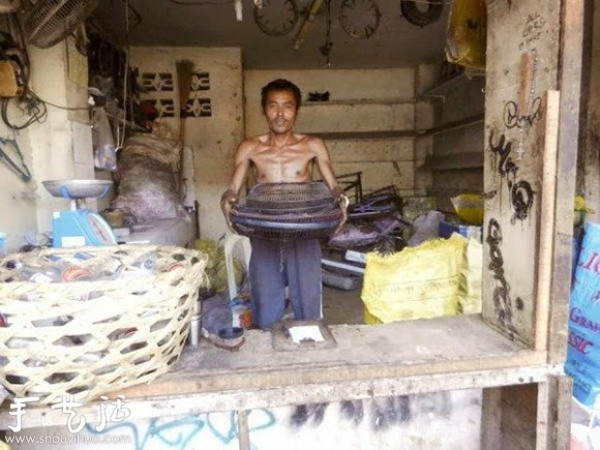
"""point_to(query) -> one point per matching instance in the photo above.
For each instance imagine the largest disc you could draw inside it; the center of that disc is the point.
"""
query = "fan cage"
(253, 224)
(46, 22)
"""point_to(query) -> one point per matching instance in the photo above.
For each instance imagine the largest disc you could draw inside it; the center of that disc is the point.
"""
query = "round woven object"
(284, 198)
(89, 338)
(287, 211)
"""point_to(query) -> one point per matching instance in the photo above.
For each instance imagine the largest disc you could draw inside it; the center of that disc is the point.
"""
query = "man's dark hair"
(280, 85)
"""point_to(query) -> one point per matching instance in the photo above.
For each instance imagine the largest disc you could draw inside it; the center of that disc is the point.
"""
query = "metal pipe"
(340, 265)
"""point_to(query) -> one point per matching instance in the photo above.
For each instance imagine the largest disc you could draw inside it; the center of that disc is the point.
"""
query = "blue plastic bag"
(583, 353)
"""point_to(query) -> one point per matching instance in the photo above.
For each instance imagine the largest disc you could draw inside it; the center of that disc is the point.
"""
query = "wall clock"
(359, 18)
(276, 17)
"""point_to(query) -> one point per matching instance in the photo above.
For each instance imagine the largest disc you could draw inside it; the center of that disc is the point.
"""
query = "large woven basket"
(89, 338)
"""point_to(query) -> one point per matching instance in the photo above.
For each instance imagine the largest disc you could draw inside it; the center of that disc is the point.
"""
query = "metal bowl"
(74, 189)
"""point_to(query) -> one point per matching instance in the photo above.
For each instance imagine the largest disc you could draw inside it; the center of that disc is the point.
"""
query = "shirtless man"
(283, 156)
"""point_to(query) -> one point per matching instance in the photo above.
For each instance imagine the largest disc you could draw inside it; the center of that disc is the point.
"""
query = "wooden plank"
(570, 86)
(363, 352)
(325, 118)
(345, 135)
(519, 415)
(491, 419)
(371, 150)
(554, 413)
(234, 399)
(509, 417)
(512, 159)
(468, 160)
(548, 200)
(243, 430)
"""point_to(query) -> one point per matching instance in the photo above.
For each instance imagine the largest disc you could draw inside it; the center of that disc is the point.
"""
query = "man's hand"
(343, 202)
(228, 199)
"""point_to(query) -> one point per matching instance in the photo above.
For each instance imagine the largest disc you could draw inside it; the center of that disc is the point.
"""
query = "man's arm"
(326, 169)
(230, 196)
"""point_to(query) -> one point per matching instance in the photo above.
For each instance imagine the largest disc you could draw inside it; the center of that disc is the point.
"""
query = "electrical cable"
(121, 134)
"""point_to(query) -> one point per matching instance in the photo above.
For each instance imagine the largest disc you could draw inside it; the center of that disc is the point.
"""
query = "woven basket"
(88, 338)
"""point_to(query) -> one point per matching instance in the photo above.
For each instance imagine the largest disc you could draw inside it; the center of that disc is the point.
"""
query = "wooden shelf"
(400, 358)
(442, 89)
(468, 160)
(358, 102)
(342, 135)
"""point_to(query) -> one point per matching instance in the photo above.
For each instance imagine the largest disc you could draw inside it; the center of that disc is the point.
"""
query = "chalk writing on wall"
(532, 31)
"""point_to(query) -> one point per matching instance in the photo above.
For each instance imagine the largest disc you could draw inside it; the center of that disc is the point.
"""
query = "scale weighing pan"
(76, 189)
(79, 226)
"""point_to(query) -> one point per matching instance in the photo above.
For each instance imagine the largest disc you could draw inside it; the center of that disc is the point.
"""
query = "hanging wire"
(120, 138)
(326, 48)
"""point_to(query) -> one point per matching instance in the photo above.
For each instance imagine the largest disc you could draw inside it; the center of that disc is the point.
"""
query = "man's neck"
(280, 140)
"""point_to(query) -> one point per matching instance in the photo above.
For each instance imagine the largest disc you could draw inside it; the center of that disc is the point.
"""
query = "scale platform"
(79, 226)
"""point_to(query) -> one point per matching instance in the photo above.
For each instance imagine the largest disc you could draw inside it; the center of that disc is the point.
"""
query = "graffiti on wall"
(503, 304)
(376, 418)
(513, 118)
(521, 194)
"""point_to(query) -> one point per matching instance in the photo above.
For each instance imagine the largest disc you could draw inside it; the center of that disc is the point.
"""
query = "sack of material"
(416, 283)
(583, 351)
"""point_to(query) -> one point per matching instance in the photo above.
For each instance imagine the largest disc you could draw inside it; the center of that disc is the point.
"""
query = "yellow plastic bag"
(581, 210)
(469, 292)
(469, 207)
(417, 283)
(466, 38)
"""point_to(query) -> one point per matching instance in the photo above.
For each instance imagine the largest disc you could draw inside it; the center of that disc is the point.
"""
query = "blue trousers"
(277, 264)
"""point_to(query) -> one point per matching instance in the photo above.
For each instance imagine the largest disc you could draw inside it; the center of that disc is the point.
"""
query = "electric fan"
(46, 22)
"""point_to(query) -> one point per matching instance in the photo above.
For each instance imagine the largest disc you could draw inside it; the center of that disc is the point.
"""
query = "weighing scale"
(79, 226)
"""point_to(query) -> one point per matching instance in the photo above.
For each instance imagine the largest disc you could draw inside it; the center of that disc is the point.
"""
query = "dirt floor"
(340, 306)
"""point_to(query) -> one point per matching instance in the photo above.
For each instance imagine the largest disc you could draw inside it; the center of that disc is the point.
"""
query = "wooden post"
(570, 88)
(547, 202)
(243, 429)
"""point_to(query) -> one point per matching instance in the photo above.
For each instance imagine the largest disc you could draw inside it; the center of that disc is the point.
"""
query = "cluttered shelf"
(402, 358)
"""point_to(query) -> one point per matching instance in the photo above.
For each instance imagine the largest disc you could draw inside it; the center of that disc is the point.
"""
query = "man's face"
(280, 111)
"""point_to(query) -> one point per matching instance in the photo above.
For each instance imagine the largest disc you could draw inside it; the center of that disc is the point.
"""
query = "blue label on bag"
(583, 353)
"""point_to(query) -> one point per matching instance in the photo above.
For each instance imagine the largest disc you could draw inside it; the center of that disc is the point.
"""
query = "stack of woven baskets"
(116, 316)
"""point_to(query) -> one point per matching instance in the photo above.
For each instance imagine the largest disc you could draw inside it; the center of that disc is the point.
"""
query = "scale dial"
(359, 18)
(101, 229)
(276, 17)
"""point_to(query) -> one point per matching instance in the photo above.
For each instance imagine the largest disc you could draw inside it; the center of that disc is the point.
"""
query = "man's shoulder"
(308, 139)
(252, 142)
